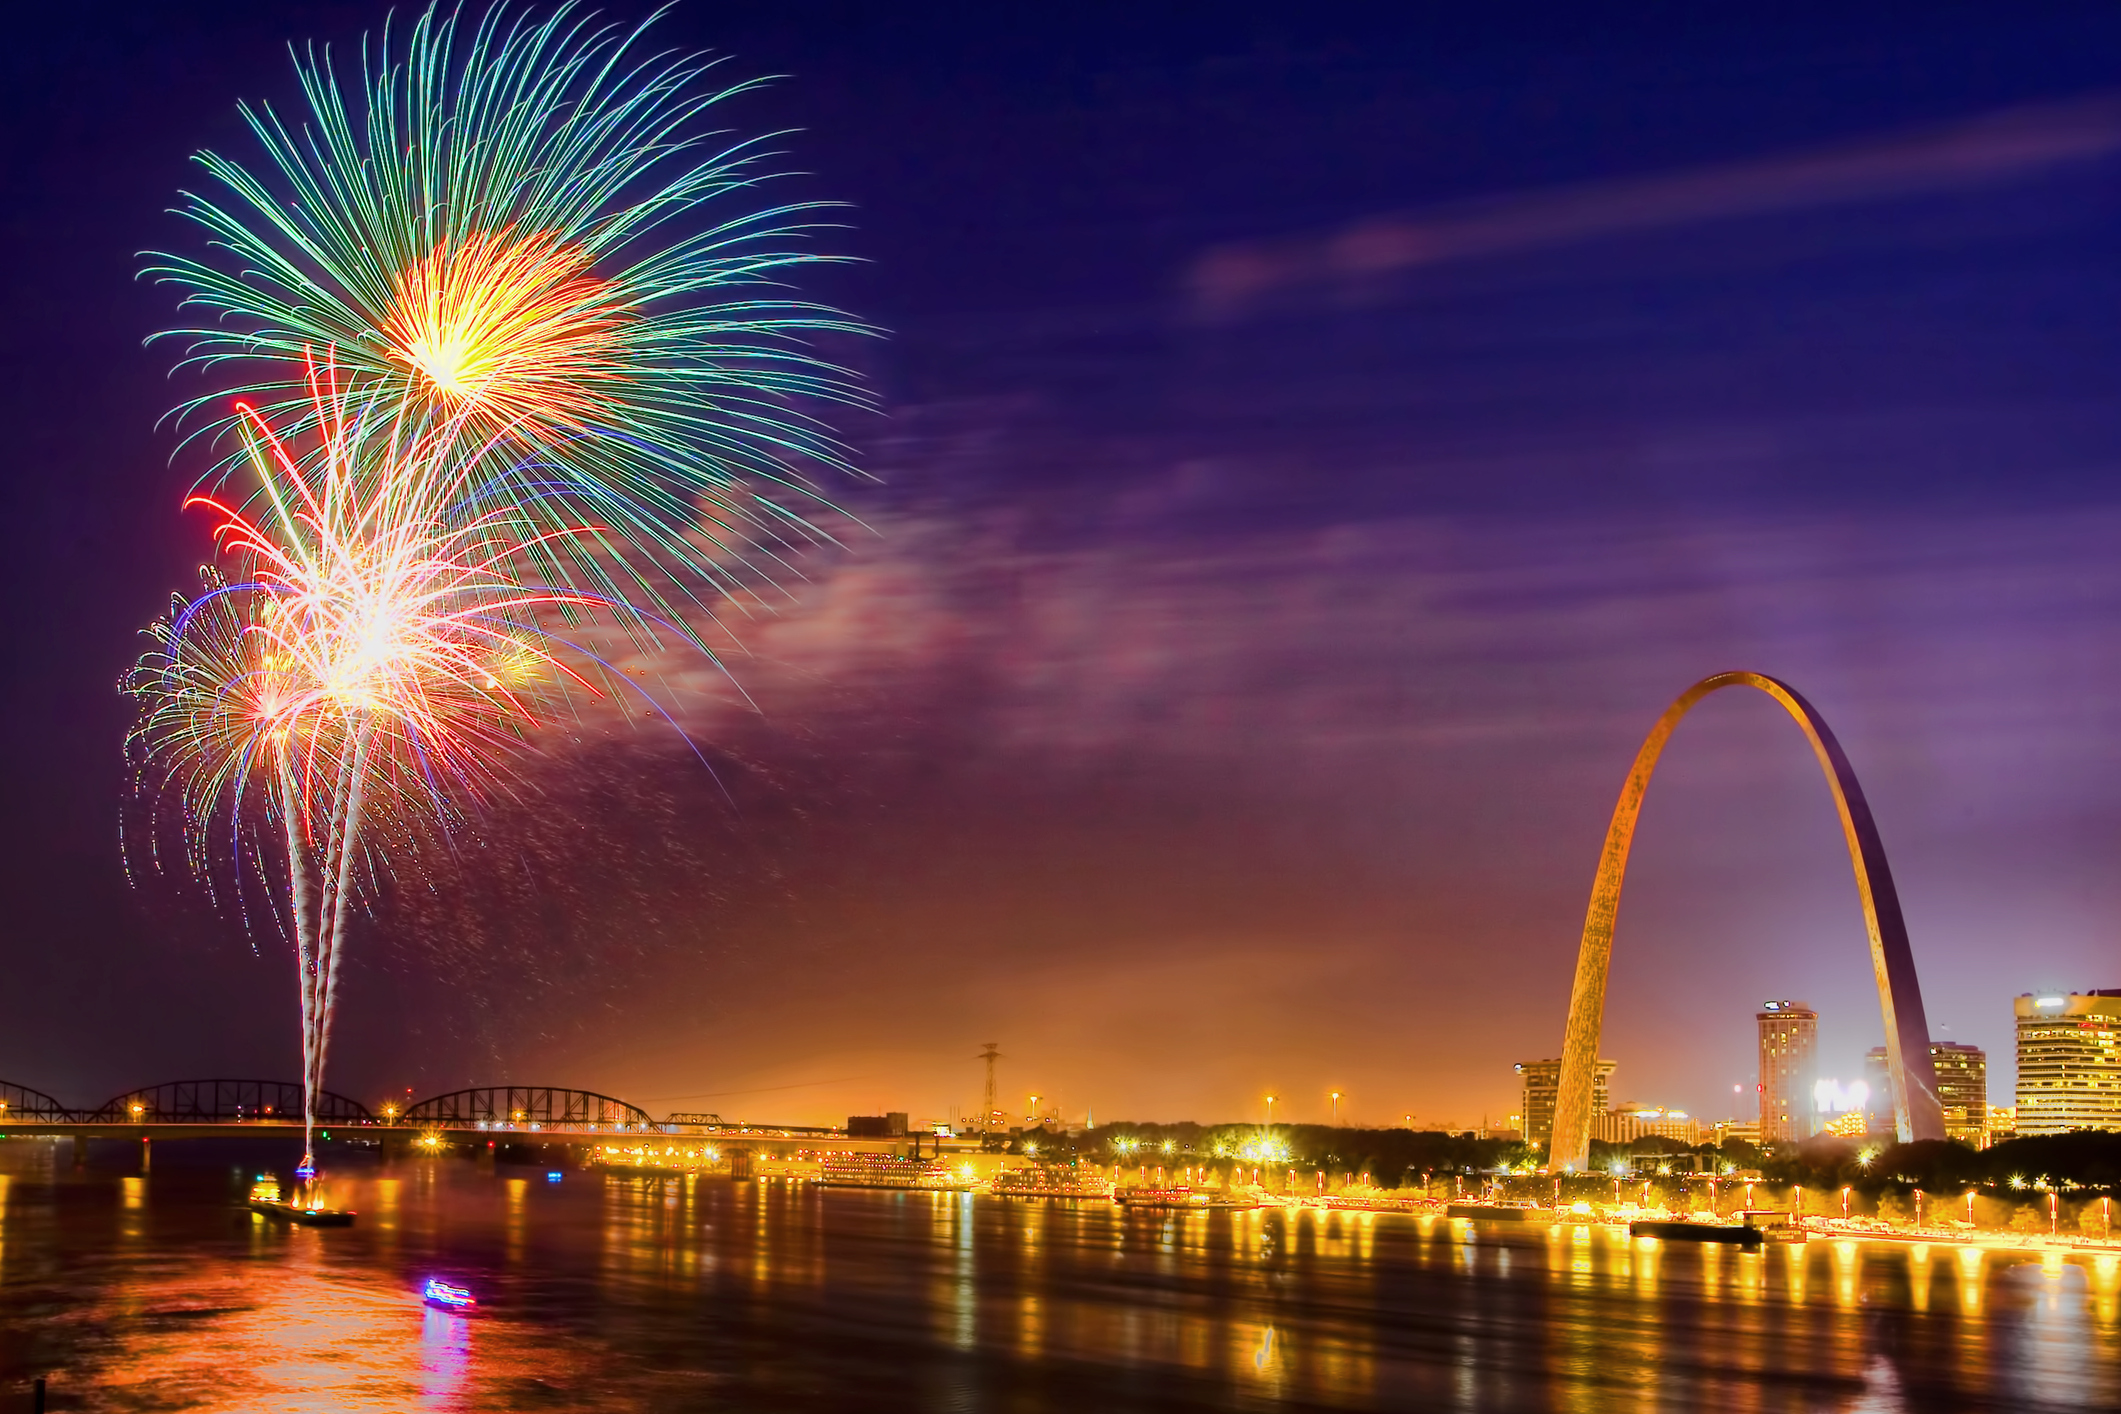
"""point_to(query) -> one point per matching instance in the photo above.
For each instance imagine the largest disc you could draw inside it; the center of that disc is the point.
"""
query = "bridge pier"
(740, 1163)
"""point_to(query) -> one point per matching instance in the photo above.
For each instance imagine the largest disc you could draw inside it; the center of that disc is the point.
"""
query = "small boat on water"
(446, 1296)
(265, 1198)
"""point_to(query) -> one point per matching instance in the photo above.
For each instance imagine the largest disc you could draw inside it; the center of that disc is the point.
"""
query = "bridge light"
(136, 1111)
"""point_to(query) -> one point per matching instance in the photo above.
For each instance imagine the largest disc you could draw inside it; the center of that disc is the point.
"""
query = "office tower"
(1789, 1067)
(1962, 1091)
(1542, 1085)
(2069, 1061)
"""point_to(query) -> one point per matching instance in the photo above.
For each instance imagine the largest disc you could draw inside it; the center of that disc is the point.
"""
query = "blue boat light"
(441, 1293)
(553, 1177)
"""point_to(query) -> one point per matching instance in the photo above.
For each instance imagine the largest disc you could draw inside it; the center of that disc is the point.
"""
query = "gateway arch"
(1914, 1080)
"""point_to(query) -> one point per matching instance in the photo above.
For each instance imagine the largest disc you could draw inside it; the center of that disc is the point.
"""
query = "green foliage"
(1392, 1157)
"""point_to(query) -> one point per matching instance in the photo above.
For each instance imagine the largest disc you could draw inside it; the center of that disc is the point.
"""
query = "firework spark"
(377, 652)
(523, 225)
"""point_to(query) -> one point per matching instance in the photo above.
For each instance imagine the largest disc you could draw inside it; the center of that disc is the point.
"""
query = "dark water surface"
(603, 1292)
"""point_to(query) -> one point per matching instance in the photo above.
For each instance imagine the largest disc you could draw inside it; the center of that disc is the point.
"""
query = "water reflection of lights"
(1846, 1259)
(1970, 1259)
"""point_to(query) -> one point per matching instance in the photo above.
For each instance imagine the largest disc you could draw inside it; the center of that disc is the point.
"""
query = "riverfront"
(633, 1292)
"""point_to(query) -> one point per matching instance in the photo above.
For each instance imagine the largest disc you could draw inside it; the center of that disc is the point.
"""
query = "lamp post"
(1336, 1109)
(1270, 1111)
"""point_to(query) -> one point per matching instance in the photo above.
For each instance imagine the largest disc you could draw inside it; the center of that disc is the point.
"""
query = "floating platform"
(304, 1217)
(1183, 1200)
(1500, 1212)
(1727, 1233)
(265, 1199)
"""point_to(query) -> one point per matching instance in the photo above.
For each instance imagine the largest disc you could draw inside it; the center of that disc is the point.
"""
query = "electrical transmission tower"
(990, 1112)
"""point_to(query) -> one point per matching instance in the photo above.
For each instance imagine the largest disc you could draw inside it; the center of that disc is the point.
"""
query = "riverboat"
(265, 1198)
(889, 1171)
(1049, 1183)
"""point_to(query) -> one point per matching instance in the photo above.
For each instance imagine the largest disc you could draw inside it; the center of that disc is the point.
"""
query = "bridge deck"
(755, 1138)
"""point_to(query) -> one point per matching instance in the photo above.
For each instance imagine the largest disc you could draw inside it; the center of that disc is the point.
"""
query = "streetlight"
(1270, 1111)
(1336, 1107)
(1033, 1116)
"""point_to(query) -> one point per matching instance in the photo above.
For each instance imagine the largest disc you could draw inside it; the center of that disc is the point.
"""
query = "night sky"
(1316, 447)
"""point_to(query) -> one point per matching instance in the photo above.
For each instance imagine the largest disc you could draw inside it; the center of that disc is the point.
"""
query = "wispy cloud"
(1231, 280)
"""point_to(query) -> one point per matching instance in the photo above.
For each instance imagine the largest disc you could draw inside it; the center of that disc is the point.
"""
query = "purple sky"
(1314, 458)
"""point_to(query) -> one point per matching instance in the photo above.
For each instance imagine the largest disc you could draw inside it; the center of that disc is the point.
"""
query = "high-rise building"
(2069, 1061)
(1789, 1067)
(1962, 1091)
(1542, 1086)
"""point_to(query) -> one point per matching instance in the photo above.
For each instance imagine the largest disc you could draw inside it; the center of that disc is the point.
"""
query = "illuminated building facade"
(1542, 1084)
(2069, 1061)
(1789, 1069)
(1745, 1131)
(1630, 1122)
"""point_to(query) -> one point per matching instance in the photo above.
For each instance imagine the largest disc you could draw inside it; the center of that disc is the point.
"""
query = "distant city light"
(1832, 1097)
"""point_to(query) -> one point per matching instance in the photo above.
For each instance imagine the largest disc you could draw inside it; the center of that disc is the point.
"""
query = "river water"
(607, 1292)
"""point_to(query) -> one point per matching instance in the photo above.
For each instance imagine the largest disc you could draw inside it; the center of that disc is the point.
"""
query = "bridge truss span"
(526, 1107)
(20, 1103)
(223, 1102)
